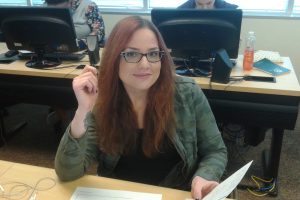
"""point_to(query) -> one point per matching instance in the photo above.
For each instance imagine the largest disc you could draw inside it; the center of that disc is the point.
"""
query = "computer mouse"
(11, 53)
(80, 66)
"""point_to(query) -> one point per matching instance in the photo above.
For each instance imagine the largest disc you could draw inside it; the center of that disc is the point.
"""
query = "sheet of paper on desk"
(83, 193)
(227, 186)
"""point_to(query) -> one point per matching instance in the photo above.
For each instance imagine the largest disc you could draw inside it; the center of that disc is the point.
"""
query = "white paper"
(227, 186)
(84, 193)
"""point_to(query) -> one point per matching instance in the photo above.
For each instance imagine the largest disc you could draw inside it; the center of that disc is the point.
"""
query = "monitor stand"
(39, 62)
(193, 67)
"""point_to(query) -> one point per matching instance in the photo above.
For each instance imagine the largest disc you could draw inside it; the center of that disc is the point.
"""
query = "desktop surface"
(285, 85)
(66, 70)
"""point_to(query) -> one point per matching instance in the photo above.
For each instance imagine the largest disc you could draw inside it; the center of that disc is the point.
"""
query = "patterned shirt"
(91, 16)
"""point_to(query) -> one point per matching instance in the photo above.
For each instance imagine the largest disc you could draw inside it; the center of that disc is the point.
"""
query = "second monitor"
(199, 33)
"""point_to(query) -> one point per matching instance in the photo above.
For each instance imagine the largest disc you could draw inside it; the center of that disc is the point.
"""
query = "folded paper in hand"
(227, 186)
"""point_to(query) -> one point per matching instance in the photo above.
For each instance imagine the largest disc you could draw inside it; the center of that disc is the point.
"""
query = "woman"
(140, 121)
(207, 4)
(86, 17)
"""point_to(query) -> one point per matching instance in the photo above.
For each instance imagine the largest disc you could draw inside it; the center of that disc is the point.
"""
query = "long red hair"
(116, 120)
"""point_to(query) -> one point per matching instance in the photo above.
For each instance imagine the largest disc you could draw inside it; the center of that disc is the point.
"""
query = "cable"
(267, 188)
(59, 67)
(20, 190)
(232, 81)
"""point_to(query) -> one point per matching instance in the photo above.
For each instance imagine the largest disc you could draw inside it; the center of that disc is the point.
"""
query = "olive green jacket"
(197, 140)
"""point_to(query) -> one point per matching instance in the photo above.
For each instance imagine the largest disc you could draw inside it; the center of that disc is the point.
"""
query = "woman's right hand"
(85, 87)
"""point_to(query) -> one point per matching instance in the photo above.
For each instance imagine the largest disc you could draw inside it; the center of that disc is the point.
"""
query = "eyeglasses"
(135, 57)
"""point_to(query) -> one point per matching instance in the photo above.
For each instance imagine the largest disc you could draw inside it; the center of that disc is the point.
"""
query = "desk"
(29, 174)
(270, 105)
(21, 84)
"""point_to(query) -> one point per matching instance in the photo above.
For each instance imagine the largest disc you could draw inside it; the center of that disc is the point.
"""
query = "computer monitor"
(198, 34)
(38, 29)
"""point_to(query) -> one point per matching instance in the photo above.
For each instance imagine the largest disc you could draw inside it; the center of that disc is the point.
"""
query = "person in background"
(207, 4)
(139, 120)
(86, 17)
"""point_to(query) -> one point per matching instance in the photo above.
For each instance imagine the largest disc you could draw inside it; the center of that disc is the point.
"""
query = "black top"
(139, 168)
(219, 4)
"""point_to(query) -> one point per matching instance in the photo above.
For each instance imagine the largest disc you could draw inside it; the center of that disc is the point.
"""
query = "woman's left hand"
(201, 187)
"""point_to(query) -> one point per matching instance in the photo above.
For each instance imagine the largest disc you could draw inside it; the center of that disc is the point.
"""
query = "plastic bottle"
(249, 51)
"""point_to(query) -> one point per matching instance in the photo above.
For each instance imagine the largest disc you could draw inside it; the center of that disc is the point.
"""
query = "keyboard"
(60, 56)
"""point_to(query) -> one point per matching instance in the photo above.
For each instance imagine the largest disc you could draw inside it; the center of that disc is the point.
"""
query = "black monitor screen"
(199, 33)
(38, 29)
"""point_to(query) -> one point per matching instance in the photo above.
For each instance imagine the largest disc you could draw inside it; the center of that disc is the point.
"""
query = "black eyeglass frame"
(161, 54)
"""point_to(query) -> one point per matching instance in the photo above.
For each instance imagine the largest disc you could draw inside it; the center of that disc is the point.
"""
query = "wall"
(282, 35)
